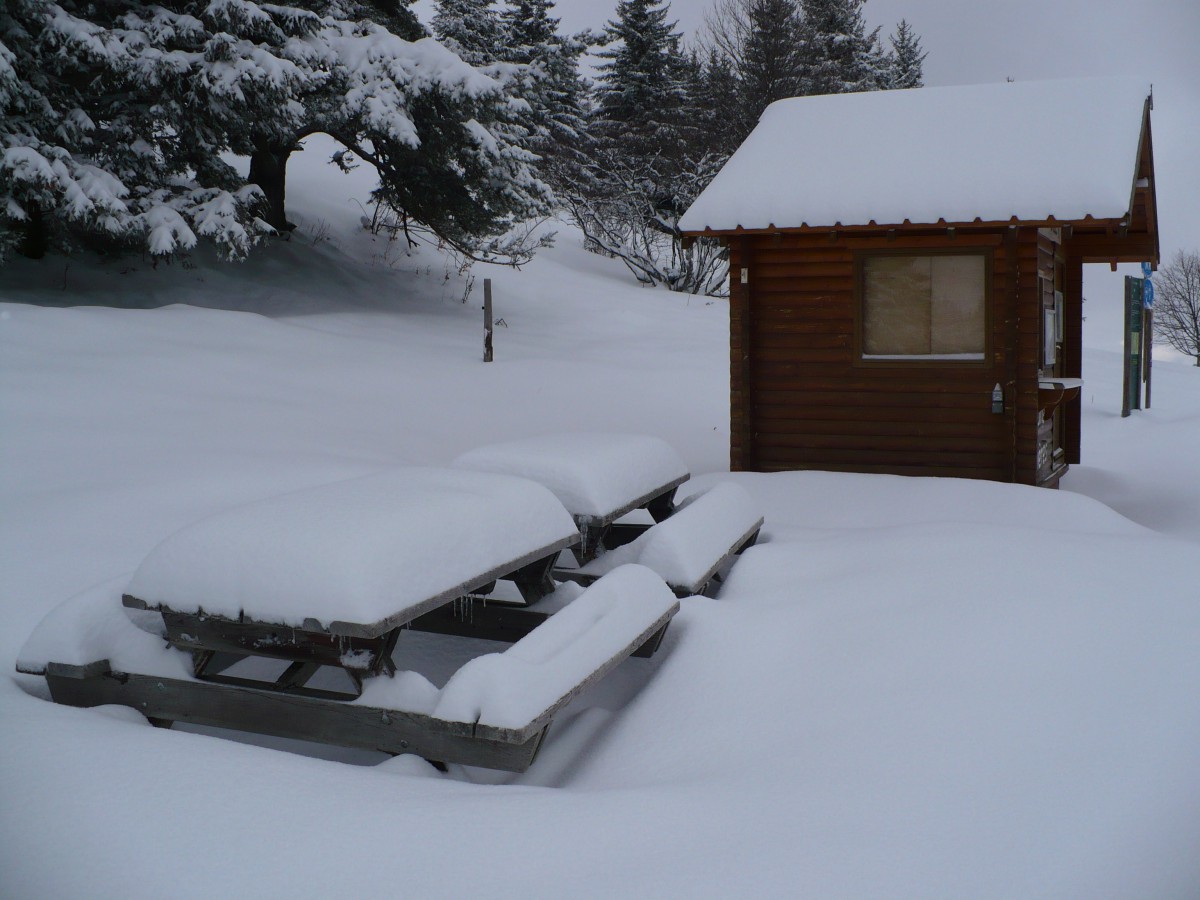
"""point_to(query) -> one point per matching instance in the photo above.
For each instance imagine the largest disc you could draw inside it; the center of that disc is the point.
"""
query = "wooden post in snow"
(1128, 382)
(1148, 352)
(487, 320)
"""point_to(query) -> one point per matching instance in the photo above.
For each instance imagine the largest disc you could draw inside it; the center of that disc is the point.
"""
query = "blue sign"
(1145, 270)
(1148, 293)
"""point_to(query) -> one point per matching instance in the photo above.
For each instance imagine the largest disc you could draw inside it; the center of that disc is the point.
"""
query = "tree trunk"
(268, 169)
(35, 239)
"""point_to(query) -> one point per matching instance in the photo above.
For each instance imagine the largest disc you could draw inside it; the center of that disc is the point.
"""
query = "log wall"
(802, 397)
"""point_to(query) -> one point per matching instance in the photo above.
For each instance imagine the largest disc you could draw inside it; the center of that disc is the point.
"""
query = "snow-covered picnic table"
(598, 477)
(691, 548)
(356, 558)
(327, 578)
(602, 478)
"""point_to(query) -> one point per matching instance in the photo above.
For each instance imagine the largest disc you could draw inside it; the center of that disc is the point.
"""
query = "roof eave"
(1050, 221)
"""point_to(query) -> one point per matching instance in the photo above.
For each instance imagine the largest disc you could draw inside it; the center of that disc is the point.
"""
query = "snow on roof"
(1029, 150)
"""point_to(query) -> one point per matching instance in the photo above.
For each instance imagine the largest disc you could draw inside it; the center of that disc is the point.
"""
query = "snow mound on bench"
(592, 474)
(355, 551)
(92, 626)
(685, 548)
(514, 688)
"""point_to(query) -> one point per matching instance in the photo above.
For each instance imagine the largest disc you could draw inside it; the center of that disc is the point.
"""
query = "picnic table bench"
(601, 478)
(326, 579)
(598, 477)
(692, 549)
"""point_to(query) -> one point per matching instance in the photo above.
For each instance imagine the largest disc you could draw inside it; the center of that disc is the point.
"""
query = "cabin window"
(924, 307)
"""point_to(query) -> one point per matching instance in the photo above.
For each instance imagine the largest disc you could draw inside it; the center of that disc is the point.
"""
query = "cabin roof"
(1066, 150)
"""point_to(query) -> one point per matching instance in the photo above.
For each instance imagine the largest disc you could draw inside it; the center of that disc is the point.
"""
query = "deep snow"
(910, 687)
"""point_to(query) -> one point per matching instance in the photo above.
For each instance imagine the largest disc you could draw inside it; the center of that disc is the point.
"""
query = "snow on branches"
(114, 118)
(113, 124)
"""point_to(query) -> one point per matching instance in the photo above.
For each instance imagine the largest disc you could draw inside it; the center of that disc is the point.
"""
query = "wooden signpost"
(1139, 340)
(1131, 394)
(487, 320)
(1148, 330)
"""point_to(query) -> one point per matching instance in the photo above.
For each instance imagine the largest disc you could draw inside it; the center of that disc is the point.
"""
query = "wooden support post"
(1128, 353)
(487, 320)
(1148, 351)
(1134, 345)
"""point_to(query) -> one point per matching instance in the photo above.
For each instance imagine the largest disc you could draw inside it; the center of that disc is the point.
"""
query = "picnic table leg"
(297, 675)
(651, 645)
(534, 581)
(621, 533)
(662, 506)
(206, 663)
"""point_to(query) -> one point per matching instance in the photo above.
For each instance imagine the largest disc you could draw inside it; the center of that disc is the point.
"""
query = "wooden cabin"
(906, 272)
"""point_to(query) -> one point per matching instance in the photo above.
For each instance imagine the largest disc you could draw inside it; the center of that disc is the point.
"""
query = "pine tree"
(839, 55)
(640, 170)
(446, 139)
(472, 29)
(640, 82)
(552, 84)
(907, 58)
(718, 107)
(394, 15)
(115, 123)
(771, 63)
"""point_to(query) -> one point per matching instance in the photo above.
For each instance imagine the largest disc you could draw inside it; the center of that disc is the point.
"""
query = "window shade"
(924, 305)
(897, 314)
(956, 304)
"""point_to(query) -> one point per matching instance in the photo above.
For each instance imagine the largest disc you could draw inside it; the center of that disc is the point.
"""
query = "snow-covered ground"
(910, 687)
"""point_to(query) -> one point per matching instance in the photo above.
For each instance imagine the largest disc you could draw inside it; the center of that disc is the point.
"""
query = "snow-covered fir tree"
(907, 59)
(115, 117)
(394, 15)
(642, 164)
(665, 122)
(448, 140)
(552, 84)
(113, 124)
(473, 29)
(783, 48)
(717, 103)
(840, 55)
(640, 80)
(772, 65)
